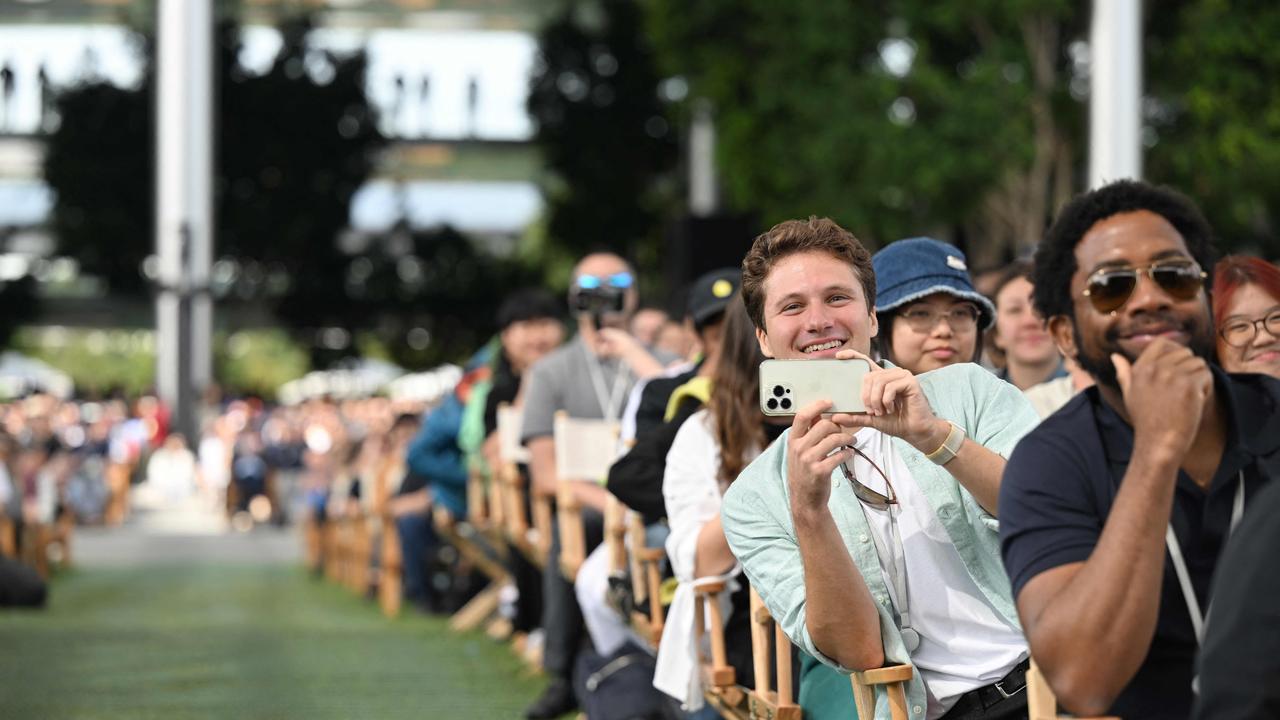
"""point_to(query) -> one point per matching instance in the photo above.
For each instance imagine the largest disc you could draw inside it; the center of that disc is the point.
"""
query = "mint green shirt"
(757, 517)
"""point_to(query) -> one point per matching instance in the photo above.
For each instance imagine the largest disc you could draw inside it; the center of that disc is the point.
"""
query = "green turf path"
(242, 642)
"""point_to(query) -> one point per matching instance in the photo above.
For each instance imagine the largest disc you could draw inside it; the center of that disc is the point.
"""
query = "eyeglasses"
(1239, 333)
(872, 498)
(1110, 288)
(620, 280)
(961, 318)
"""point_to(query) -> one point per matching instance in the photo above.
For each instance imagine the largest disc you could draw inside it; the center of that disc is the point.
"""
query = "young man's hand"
(815, 447)
(896, 406)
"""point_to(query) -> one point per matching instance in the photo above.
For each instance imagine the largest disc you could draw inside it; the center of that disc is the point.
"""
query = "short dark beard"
(1202, 345)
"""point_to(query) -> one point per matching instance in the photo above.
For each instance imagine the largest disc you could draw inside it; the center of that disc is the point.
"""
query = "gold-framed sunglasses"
(1109, 289)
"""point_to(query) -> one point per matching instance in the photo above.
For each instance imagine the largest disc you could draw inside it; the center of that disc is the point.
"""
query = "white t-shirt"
(964, 642)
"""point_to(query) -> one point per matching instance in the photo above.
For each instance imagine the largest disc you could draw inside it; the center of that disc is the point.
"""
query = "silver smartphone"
(788, 385)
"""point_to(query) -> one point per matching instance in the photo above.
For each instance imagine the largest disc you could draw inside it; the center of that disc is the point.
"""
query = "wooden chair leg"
(390, 583)
(764, 702)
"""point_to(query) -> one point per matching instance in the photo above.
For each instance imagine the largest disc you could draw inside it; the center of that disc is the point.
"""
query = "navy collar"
(1252, 405)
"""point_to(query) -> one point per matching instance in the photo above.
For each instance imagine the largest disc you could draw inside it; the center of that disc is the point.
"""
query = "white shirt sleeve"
(690, 490)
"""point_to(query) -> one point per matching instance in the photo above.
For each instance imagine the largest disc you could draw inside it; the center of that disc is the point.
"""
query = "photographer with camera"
(589, 377)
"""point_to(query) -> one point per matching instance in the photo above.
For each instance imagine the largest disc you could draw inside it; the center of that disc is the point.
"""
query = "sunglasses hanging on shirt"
(896, 562)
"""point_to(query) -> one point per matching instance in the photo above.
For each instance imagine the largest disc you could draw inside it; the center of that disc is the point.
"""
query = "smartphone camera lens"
(785, 403)
(771, 404)
(777, 391)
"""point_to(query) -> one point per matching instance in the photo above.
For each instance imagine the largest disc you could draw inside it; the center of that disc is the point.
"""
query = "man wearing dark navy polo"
(1114, 511)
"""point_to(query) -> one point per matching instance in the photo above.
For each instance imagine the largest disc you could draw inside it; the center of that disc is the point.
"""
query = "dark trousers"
(528, 581)
(561, 617)
(418, 542)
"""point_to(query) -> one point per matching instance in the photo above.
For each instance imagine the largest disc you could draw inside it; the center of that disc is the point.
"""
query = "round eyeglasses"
(1239, 333)
(961, 318)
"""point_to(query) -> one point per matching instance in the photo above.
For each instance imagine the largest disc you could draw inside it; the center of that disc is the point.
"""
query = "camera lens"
(786, 404)
(777, 391)
(771, 404)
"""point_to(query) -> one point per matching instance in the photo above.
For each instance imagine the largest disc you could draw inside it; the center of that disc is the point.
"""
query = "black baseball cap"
(711, 293)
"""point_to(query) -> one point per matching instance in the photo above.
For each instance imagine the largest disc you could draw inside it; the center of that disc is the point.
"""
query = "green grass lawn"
(242, 642)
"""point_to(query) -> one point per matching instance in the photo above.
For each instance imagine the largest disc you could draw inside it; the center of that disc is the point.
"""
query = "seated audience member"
(663, 403)
(1050, 395)
(1021, 346)
(636, 477)
(1239, 668)
(1162, 453)
(646, 325)
(677, 340)
(588, 378)
(529, 326)
(711, 447)
(1246, 311)
(708, 295)
(871, 537)
(929, 313)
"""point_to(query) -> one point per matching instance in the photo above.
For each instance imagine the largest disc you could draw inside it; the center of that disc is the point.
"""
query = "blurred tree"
(1213, 115)
(294, 145)
(427, 296)
(951, 118)
(99, 162)
(602, 128)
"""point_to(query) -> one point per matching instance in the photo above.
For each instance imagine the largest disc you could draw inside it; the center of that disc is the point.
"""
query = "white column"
(1115, 96)
(184, 216)
(703, 189)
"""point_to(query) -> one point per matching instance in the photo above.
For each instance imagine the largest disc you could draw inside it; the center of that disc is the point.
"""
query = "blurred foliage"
(258, 362)
(1214, 114)
(100, 164)
(425, 296)
(103, 362)
(813, 120)
(603, 131)
(895, 119)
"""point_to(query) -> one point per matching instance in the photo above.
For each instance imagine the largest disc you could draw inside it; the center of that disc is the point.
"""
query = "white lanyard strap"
(610, 400)
(899, 573)
(1180, 564)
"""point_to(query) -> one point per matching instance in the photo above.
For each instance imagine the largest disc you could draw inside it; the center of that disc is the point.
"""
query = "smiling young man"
(886, 553)
(1114, 511)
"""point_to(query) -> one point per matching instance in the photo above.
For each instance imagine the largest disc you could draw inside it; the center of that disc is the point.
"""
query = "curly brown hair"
(735, 389)
(797, 236)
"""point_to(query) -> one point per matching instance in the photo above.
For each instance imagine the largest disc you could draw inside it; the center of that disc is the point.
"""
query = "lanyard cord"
(895, 556)
(1180, 564)
(610, 401)
(898, 570)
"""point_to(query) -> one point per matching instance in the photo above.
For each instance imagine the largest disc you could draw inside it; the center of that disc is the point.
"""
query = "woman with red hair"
(1246, 310)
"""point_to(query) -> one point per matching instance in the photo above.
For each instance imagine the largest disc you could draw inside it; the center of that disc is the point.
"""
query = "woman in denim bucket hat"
(930, 315)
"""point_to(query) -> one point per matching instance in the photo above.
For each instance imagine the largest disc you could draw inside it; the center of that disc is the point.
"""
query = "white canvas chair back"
(510, 421)
(584, 448)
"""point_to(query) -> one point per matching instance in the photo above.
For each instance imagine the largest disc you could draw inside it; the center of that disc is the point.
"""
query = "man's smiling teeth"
(824, 346)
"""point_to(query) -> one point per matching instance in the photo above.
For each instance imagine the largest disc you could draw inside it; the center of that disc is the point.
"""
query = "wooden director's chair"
(779, 703)
(1041, 704)
(584, 451)
(769, 642)
(532, 542)
(45, 544)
